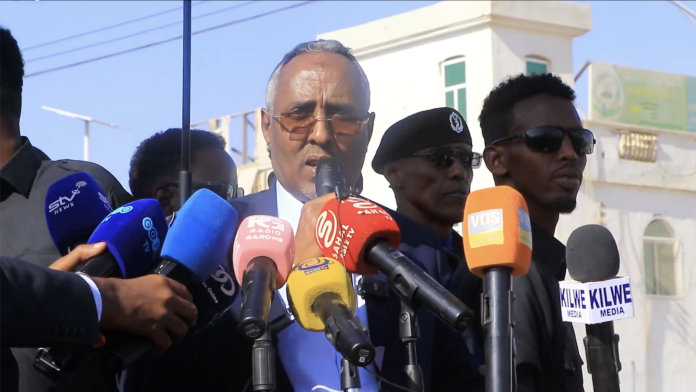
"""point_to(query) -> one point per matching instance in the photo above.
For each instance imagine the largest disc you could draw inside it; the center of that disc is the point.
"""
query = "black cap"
(426, 129)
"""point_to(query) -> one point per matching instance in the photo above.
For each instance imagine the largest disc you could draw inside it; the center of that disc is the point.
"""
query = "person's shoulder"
(103, 177)
(243, 204)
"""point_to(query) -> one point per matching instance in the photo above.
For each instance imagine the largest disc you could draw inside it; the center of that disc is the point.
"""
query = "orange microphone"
(498, 245)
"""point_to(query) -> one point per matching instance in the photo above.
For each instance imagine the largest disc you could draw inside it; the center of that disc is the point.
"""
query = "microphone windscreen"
(75, 205)
(497, 231)
(346, 229)
(592, 254)
(328, 176)
(133, 234)
(201, 234)
(264, 236)
(312, 278)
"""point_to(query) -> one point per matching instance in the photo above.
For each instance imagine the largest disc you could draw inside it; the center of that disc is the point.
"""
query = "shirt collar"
(548, 253)
(20, 171)
(289, 208)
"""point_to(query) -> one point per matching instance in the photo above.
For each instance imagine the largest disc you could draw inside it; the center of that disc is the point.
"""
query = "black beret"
(426, 129)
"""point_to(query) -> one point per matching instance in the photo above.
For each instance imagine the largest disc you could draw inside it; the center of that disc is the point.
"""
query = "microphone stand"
(497, 317)
(263, 363)
(185, 173)
(602, 356)
(409, 332)
(350, 379)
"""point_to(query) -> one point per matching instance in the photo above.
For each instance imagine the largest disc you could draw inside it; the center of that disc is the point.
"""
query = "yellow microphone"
(322, 298)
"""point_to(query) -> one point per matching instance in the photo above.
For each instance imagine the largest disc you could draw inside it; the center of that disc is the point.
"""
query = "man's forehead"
(544, 109)
(327, 71)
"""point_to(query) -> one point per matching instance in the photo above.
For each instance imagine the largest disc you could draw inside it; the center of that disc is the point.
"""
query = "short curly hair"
(11, 75)
(497, 117)
(160, 155)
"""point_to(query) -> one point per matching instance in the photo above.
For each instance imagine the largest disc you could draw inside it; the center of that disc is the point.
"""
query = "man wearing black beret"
(428, 161)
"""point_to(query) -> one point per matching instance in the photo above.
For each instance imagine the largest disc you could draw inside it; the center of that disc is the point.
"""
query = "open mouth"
(312, 162)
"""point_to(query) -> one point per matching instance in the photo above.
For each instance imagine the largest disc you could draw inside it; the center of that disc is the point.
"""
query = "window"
(660, 258)
(536, 66)
(454, 73)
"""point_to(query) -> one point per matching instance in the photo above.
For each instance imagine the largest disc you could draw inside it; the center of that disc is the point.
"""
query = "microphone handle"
(345, 331)
(416, 287)
(258, 286)
(101, 266)
(496, 316)
(602, 354)
(350, 378)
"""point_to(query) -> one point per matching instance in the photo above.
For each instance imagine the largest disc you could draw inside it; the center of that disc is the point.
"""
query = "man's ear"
(266, 126)
(167, 200)
(496, 160)
(393, 175)
(370, 125)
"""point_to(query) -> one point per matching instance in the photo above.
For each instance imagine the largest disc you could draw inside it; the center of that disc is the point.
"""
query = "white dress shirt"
(292, 352)
(95, 293)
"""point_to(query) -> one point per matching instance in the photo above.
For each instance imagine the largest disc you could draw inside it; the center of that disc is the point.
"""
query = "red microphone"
(364, 237)
(262, 259)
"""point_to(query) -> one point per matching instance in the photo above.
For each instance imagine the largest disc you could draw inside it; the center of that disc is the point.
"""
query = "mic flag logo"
(596, 302)
(486, 228)
(63, 202)
(525, 234)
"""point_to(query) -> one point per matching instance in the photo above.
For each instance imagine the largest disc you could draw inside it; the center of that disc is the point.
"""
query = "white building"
(640, 182)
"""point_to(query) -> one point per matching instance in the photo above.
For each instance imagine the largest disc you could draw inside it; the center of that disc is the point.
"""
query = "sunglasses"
(445, 158)
(225, 190)
(550, 139)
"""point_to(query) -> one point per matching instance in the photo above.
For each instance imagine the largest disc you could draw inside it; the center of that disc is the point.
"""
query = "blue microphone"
(75, 205)
(133, 234)
(199, 239)
(198, 243)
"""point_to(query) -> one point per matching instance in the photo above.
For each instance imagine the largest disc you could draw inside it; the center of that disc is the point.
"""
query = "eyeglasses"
(550, 139)
(302, 124)
(225, 190)
(445, 158)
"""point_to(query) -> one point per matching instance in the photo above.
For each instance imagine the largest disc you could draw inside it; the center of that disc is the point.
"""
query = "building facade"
(640, 182)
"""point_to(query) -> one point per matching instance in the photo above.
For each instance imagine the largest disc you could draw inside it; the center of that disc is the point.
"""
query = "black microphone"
(593, 258)
(329, 178)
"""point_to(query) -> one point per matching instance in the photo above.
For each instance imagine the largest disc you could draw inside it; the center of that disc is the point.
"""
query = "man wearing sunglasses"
(428, 161)
(536, 144)
(155, 167)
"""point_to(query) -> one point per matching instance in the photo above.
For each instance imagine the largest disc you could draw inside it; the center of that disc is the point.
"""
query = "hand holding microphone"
(322, 298)
(305, 244)
(262, 257)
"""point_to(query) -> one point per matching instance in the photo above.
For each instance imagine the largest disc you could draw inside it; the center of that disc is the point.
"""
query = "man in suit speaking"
(317, 105)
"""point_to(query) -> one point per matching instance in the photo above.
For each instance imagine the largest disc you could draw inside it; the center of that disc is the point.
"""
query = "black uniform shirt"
(24, 182)
(547, 353)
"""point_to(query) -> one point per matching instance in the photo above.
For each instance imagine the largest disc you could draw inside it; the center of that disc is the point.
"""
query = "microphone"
(322, 298)
(329, 177)
(199, 238)
(596, 297)
(133, 234)
(262, 257)
(497, 245)
(204, 229)
(363, 237)
(75, 205)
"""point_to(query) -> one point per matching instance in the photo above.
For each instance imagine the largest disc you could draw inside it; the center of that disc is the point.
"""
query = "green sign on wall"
(638, 97)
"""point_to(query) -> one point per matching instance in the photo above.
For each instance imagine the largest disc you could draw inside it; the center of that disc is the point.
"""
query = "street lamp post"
(87, 121)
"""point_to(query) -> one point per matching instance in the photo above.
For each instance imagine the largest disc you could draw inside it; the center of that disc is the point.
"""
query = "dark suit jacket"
(42, 307)
(220, 359)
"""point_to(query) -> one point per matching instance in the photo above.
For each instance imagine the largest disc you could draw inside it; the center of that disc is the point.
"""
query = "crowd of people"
(317, 105)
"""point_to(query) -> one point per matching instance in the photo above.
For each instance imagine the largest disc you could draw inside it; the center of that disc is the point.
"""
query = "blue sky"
(142, 90)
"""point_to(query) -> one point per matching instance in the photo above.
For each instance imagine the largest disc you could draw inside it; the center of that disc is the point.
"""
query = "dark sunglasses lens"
(544, 139)
(583, 141)
(442, 158)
